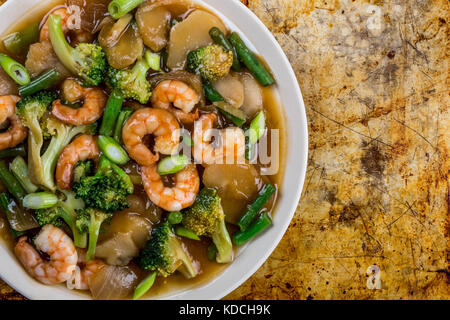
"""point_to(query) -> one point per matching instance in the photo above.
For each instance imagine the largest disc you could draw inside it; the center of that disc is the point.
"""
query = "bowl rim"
(293, 177)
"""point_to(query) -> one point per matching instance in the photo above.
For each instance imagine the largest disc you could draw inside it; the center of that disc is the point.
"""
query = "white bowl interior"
(240, 18)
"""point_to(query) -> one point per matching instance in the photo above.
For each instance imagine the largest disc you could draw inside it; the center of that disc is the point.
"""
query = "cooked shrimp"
(68, 23)
(174, 92)
(83, 272)
(17, 132)
(183, 117)
(81, 148)
(180, 196)
(92, 109)
(161, 123)
(60, 249)
(231, 146)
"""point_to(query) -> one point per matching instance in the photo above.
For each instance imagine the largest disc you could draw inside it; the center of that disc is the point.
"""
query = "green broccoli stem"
(11, 183)
(94, 230)
(50, 157)
(69, 216)
(60, 45)
(222, 241)
(119, 8)
(19, 169)
(42, 82)
(15, 70)
(13, 152)
(263, 221)
(140, 68)
(112, 111)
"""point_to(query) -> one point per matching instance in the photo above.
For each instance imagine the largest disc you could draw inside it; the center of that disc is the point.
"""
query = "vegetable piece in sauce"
(18, 218)
(42, 82)
(64, 210)
(111, 113)
(253, 98)
(113, 283)
(18, 43)
(231, 89)
(153, 23)
(32, 112)
(118, 8)
(220, 39)
(237, 185)
(164, 253)
(126, 235)
(126, 50)
(132, 82)
(112, 150)
(107, 189)
(251, 61)
(256, 206)
(15, 70)
(263, 221)
(172, 164)
(86, 60)
(211, 62)
(19, 169)
(12, 184)
(190, 34)
(145, 285)
(41, 58)
(206, 218)
(40, 200)
(13, 152)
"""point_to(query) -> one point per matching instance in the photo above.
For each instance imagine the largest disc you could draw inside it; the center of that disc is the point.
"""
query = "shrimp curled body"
(81, 148)
(180, 196)
(83, 272)
(231, 146)
(174, 92)
(91, 110)
(164, 127)
(17, 132)
(61, 250)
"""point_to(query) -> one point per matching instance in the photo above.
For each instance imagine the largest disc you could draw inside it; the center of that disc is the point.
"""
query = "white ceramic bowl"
(240, 18)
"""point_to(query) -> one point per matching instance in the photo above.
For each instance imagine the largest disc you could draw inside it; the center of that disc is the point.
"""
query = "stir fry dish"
(129, 143)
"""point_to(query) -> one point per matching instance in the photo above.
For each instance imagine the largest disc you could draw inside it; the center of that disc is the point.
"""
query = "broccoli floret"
(83, 169)
(206, 218)
(85, 60)
(33, 113)
(211, 62)
(107, 190)
(131, 82)
(165, 254)
(89, 221)
(64, 210)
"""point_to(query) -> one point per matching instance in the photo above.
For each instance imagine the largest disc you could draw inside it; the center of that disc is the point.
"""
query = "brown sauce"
(197, 249)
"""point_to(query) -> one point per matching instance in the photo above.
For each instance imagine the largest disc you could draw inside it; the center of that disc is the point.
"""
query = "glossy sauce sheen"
(140, 204)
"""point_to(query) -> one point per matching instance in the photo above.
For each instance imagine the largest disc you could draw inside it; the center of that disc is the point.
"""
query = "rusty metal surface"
(374, 77)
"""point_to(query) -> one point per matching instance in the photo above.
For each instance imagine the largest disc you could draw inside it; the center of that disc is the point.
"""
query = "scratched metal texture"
(374, 77)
